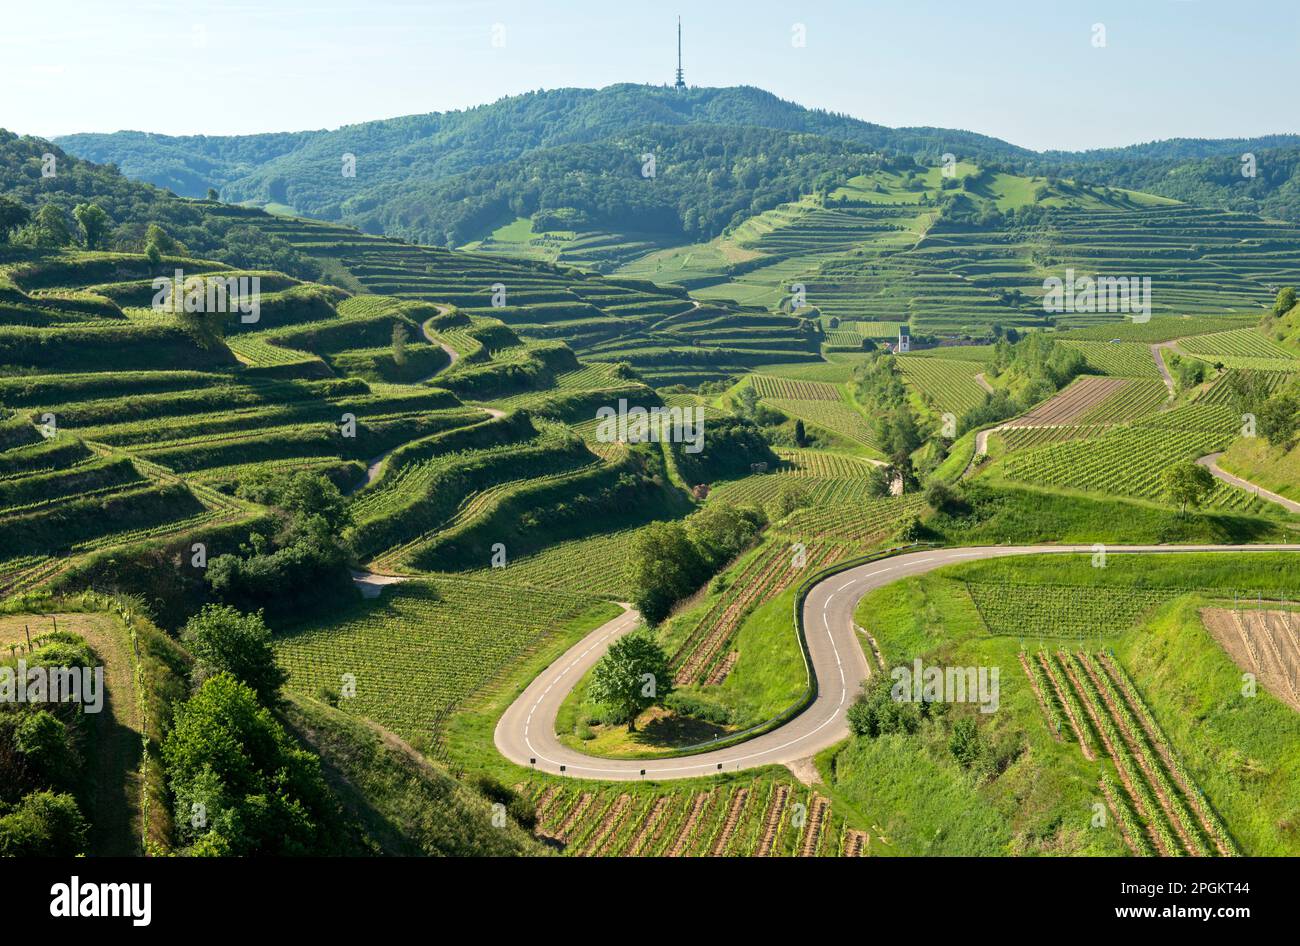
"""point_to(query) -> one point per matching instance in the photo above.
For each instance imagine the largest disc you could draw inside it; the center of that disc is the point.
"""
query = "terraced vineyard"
(770, 387)
(1095, 400)
(661, 332)
(856, 523)
(1248, 343)
(1222, 391)
(838, 417)
(1120, 359)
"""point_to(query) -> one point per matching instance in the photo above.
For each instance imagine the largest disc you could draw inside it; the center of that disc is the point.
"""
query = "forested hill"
(723, 154)
(35, 174)
(402, 160)
(1202, 172)
(441, 144)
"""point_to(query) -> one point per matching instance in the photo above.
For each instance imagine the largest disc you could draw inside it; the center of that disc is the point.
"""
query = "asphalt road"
(525, 734)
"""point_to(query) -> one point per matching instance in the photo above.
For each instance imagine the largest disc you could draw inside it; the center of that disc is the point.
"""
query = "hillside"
(442, 144)
(396, 490)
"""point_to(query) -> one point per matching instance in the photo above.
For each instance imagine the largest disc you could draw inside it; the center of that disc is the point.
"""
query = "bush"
(223, 640)
(44, 824)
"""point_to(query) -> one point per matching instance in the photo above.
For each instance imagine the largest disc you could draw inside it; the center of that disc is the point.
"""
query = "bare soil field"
(1072, 403)
(1265, 643)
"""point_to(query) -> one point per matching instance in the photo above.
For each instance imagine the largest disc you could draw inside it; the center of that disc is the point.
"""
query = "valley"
(383, 528)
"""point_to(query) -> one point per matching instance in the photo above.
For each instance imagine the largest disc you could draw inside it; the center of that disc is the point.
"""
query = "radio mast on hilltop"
(680, 83)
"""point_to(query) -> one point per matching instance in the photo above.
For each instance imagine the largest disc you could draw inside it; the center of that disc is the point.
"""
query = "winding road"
(1211, 463)
(525, 734)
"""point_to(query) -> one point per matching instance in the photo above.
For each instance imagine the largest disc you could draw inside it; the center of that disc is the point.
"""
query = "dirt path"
(1211, 463)
(432, 339)
(983, 382)
(1160, 364)
(372, 584)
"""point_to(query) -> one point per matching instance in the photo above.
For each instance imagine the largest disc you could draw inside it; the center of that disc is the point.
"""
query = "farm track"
(1161, 367)
(1211, 463)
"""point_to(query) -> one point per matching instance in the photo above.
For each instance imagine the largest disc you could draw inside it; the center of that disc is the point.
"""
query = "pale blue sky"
(1024, 71)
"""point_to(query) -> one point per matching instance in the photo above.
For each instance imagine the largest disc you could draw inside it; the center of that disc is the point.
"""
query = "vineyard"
(425, 648)
(859, 524)
(824, 479)
(1037, 611)
(949, 386)
(699, 658)
(1097, 400)
(1246, 343)
(1126, 462)
(1261, 641)
(836, 417)
(1155, 801)
(756, 818)
(769, 387)
(1120, 359)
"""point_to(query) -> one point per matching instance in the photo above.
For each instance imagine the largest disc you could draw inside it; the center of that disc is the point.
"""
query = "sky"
(1066, 74)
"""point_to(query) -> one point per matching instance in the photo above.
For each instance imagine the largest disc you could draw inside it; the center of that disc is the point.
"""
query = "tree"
(631, 678)
(666, 566)
(400, 336)
(879, 482)
(212, 194)
(42, 740)
(1277, 419)
(160, 238)
(12, 216)
(941, 497)
(94, 224)
(747, 401)
(50, 228)
(1187, 484)
(258, 791)
(1285, 301)
(800, 435)
(223, 640)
